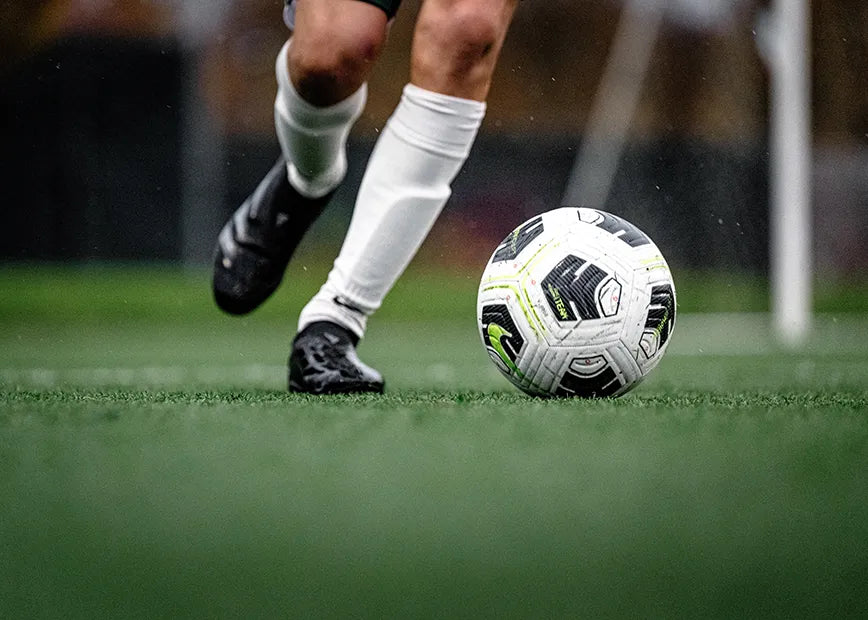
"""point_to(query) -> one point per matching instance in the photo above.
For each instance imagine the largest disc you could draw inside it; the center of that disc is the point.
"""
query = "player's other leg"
(419, 153)
(321, 75)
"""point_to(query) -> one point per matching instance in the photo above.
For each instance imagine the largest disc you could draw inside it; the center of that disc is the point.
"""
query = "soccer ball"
(576, 302)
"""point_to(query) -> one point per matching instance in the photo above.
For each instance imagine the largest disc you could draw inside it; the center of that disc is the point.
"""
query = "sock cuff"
(306, 115)
(443, 124)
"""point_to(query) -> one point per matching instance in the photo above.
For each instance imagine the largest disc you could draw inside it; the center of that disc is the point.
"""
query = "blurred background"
(152, 465)
(132, 129)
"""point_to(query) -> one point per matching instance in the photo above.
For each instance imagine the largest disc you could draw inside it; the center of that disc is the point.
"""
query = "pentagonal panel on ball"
(571, 289)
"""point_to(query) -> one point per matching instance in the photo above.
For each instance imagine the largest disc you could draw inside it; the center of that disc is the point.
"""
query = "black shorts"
(389, 6)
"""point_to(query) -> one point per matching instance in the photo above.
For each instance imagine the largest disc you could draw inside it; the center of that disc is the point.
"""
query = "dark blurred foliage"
(21, 29)
(840, 44)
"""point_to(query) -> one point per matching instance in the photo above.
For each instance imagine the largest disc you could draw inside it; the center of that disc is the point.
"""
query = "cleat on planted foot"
(324, 361)
(257, 242)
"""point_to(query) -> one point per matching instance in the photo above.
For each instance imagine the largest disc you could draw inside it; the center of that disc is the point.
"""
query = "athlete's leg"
(419, 153)
(321, 74)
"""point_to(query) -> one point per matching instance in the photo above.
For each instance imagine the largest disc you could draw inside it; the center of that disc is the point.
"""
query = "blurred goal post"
(784, 39)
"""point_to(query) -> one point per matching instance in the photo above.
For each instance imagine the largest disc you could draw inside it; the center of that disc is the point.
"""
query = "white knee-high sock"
(407, 182)
(313, 139)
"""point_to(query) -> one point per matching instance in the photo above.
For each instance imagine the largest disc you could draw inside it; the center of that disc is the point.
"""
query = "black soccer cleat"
(324, 361)
(257, 242)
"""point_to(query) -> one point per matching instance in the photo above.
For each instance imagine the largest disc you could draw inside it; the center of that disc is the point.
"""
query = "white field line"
(242, 375)
(746, 333)
(695, 335)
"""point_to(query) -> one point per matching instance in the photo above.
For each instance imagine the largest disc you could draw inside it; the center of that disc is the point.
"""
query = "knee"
(460, 32)
(457, 43)
(329, 65)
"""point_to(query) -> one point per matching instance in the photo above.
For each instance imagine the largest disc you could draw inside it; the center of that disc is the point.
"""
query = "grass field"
(151, 464)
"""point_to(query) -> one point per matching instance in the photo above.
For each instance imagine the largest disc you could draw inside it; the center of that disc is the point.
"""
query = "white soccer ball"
(576, 302)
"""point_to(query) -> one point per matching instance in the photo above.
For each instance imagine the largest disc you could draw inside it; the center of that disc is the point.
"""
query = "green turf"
(151, 465)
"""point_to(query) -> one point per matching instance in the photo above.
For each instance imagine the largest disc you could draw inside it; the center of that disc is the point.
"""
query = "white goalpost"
(784, 41)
